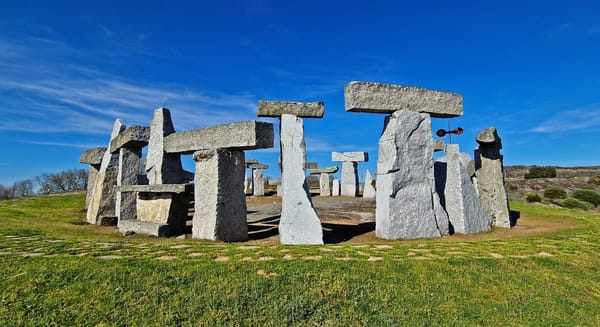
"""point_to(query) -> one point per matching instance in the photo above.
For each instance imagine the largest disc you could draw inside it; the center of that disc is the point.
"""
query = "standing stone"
(258, 180)
(407, 204)
(458, 195)
(349, 185)
(129, 166)
(324, 188)
(369, 189)
(101, 209)
(92, 157)
(299, 223)
(221, 215)
(335, 187)
(490, 177)
(161, 167)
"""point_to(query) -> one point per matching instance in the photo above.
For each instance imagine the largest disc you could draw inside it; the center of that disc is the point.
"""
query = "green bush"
(573, 203)
(541, 172)
(555, 192)
(533, 197)
(596, 180)
(589, 196)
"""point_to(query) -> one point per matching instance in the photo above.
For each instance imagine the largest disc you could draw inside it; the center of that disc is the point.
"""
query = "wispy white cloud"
(576, 120)
(60, 144)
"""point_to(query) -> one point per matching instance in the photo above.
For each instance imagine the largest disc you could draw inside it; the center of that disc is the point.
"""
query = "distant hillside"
(562, 172)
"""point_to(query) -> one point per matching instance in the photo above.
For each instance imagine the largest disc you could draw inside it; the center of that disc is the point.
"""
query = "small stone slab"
(251, 162)
(156, 188)
(327, 170)
(298, 109)
(438, 145)
(246, 135)
(350, 156)
(258, 166)
(133, 137)
(387, 98)
(311, 165)
(143, 227)
(488, 136)
(93, 156)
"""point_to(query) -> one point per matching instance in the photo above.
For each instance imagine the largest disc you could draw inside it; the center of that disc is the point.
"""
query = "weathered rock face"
(349, 185)
(299, 223)
(407, 205)
(458, 195)
(93, 157)
(129, 166)
(490, 177)
(220, 202)
(298, 109)
(369, 190)
(101, 208)
(161, 167)
(335, 187)
(258, 182)
(324, 188)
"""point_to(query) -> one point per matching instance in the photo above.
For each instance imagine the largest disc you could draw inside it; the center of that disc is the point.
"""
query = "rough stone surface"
(350, 156)
(102, 203)
(128, 226)
(328, 170)
(298, 109)
(157, 188)
(129, 166)
(311, 165)
(93, 156)
(258, 166)
(324, 189)
(91, 183)
(246, 135)
(251, 162)
(349, 185)
(133, 137)
(369, 188)
(388, 98)
(161, 167)
(164, 208)
(438, 145)
(299, 223)
(407, 205)
(258, 182)
(458, 195)
(220, 202)
(490, 177)
(335, 187)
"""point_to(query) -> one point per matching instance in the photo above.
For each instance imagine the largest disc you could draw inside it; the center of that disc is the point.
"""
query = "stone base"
(107, 221)
(143, 227)
(164, 209)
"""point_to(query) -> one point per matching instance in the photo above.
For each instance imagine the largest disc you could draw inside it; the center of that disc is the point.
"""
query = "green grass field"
(57, 271)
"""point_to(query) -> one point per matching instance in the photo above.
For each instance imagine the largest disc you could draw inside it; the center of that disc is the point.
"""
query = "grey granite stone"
(102, 203)
(161, 167)
(157, 188)
(128, 226)
(299, 223)
(458, 195)
(324, 189)
(258, 181)
(438, 145)
(349, 156)
(129, 166)
(489, 171)
(335, 187)
(93, 156)
(407, 205)
(328, 170)
(220, 202)
(387, 98)
(311, 165)
(298, 109)
(258, 166)
(133, 137)
(369, 189)
(246, 135)
(349, 183)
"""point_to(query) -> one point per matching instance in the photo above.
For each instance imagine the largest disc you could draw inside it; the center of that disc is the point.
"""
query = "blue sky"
(69, 68)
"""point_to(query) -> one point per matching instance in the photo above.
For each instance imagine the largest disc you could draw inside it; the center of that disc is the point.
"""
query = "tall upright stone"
(369, 189)
(490, 177)
(324, 188)
(299, 223)
(407, 206)
(162, 167)
(457, 193)
(101, 209)
(258, 179)
(221, 214)
(92, 157)
(128, 144)
(335, 187)
(349, 161)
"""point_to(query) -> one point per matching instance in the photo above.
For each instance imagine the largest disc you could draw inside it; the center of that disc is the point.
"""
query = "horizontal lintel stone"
(133, 137)
(350, 156)
(156, 188)
(251, 162)
(258, 166)
(311, 165)
(387, 98)
(93, 156)
(298, 109)
(329, 170)
(246, 135)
